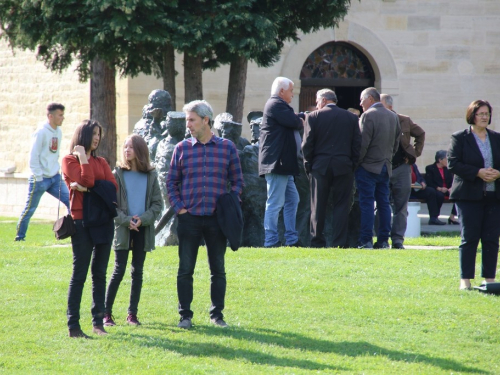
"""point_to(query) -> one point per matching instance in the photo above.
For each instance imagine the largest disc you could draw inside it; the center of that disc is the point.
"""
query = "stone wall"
(26, 87)
(433, 57)
(446, 55)
(13, 194)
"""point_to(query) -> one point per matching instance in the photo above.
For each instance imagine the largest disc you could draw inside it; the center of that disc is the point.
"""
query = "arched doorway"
(338, 66)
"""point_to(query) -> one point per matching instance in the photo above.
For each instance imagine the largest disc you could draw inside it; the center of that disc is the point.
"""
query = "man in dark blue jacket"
(279, 146)
(332, 140)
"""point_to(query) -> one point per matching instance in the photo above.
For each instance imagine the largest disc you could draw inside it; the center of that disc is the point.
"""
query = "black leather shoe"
(277, 244)
(77, 333)
(366, 245)
(398, 246)
(381, 245)
(296, 244)
(436, 221)
(454, 222)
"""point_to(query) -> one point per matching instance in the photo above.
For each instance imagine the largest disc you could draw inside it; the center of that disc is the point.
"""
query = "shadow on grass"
(343, 348)
(198, 349)
(288, 340)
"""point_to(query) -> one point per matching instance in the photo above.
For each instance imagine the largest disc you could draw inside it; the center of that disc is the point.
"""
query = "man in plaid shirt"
(200, 169)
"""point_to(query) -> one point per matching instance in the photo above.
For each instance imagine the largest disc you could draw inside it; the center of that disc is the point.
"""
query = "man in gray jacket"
(380, 132)
(400, 182)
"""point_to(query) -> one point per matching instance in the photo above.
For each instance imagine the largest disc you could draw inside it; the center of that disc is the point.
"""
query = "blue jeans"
(373, 187)
(281, 193)
(35, 192)
(191, 230)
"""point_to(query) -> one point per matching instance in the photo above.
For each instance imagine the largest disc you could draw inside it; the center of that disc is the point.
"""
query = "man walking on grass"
(44, 167)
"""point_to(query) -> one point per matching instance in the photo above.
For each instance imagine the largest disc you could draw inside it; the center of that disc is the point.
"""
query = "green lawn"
(291, 311)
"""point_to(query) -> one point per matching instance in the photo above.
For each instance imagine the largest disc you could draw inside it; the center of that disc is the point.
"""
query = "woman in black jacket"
(474, 159)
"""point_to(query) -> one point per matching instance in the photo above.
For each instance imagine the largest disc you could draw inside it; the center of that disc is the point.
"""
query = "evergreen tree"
(103, 36)
(288, 17)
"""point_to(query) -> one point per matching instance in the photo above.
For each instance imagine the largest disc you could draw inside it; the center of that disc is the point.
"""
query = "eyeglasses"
(483, 114)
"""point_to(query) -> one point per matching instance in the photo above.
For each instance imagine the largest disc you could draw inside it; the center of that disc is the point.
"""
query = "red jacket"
(85, 175)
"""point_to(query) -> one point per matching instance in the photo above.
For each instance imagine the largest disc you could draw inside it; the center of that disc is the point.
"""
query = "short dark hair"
(440, 155)
(141, 154)
(470, 115)
(51, 107)
(83, 136)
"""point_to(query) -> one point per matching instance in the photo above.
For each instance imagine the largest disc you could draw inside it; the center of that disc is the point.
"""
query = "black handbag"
(489, 288)
(64, 227)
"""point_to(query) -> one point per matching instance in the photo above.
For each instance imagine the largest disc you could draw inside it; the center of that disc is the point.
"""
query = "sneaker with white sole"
(108, 320)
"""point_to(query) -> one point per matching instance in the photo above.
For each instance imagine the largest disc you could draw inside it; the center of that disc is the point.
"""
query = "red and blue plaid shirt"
(199, 174)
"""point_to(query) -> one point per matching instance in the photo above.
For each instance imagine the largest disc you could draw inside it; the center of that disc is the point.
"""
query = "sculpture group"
(163, 128)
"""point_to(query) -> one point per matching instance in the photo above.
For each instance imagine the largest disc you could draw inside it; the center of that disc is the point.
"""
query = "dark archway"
(338, 66)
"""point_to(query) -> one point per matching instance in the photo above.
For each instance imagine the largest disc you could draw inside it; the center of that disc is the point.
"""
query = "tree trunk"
(236, 88)
(193, 85)
(169, 71)
(103, 107)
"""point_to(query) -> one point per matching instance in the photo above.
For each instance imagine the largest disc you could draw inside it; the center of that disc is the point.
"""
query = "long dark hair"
(141, 155)
(84, 134)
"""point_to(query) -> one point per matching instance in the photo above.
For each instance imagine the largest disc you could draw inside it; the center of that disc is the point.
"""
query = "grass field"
(291, 311)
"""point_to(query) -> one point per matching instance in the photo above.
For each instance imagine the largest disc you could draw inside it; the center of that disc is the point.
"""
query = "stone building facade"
(433, 56)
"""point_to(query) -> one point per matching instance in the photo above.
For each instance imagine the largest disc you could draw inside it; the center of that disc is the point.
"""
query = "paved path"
(425, 228)
(407, 247)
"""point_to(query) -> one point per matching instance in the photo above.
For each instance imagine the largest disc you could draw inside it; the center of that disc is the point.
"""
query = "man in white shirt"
(44, 166)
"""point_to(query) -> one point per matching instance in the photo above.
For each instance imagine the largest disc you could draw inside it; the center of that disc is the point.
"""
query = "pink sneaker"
(108, 320)
(132, 319)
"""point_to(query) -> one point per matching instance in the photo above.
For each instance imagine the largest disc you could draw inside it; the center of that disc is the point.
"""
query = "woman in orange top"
(81, 169)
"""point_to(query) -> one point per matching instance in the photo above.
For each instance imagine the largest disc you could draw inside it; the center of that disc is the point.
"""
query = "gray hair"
(440, 155)
(371, 91)
(201, 108)
(280, 83)
(387, 99)
(327, 94)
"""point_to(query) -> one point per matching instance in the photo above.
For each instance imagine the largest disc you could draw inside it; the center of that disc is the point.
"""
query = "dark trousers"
(479, 220)
(444, 197)
(400, 185)
(136, 271)
(86, 254)
(320, 186)
(433, 198)
(190, 231)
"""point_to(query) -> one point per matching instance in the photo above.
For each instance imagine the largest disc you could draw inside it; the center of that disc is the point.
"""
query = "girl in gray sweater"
(139, 204)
